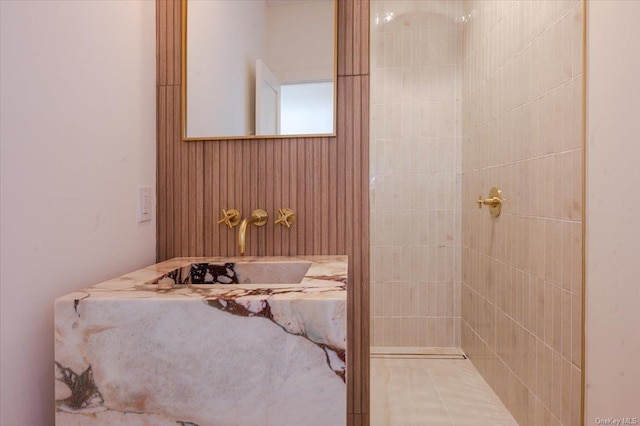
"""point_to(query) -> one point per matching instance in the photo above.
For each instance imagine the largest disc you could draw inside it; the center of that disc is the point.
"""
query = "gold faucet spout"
(258, 218)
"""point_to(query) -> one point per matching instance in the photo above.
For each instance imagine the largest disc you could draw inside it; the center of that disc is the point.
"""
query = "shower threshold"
(417, 353)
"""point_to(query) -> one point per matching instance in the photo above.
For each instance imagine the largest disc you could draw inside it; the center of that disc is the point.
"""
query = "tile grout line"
(440, 396)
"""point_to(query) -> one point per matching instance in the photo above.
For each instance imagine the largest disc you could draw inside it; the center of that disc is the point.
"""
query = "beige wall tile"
(565, 394)
(498, 99)
(376, 332)
(527, 56)
(376, 299)
(415, 197)
(576, 395)
(578, 18)
(576, 330)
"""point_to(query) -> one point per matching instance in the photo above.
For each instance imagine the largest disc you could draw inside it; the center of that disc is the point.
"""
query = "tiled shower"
(415, 164)
(466, 95)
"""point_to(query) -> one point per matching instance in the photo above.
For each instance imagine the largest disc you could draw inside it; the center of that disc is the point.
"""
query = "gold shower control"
(231, 218)
(494, 201)
(286, 217)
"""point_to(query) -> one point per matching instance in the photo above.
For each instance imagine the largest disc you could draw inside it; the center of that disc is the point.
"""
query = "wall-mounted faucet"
(258, 218)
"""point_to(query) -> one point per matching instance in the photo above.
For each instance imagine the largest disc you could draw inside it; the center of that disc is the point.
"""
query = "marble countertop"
(326, 278)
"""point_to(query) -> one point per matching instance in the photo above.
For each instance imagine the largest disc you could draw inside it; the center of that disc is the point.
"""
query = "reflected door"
(267, 101)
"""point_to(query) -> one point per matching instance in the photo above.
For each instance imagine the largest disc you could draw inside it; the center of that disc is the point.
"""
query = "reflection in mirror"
(258, 68)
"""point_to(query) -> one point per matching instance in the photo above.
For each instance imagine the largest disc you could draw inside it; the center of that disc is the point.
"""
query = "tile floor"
(421, 391)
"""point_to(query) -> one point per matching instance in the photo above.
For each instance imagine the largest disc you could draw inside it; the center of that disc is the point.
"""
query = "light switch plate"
(144, 204)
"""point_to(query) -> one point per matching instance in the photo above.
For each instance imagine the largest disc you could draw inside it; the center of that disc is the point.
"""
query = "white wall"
(306, 108)
(613, 211)
(77, 138)
(224, 40)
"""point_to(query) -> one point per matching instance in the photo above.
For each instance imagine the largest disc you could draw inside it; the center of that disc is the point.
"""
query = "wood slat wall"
(324, 180)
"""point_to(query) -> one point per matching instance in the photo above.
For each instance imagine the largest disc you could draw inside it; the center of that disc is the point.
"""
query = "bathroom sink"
(238, 272)
(249, 341)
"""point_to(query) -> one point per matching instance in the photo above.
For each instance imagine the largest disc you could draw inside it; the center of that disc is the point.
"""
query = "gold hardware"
(231, 218)
(494, 201)
(286, 217)
(258, 218)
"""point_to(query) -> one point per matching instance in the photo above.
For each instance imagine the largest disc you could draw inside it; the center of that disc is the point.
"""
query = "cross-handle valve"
(494, 201)
(491, 202)
(231, 218)
(286, 217)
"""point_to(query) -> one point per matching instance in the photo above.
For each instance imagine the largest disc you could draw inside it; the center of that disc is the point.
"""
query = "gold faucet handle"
(491, 202)
(494, 201)
(231, 218)
(286, 217)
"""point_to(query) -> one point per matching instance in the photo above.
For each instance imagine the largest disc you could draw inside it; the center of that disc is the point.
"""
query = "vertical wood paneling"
(161, 37)
(341, 170)
(324, 180)
(364, 267)
(269, 193)
(307, 219)
(277, 196)
(211, 151)
(357, 38)
(345, 31)
(332, 193)
(324, 196)
(170, 142)
(293, 193)
(161, 161)
(222, 176)
(286, 198)
(176, 33)
(170, 36)
(261, 165)
(342, 41)
(357, 236)
(182, 186)
(364, 51)
(302, 196)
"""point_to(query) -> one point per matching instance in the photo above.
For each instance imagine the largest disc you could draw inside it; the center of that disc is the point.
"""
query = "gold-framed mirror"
(258, 69)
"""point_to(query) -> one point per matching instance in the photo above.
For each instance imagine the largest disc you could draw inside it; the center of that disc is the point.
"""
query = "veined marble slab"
(144, 349)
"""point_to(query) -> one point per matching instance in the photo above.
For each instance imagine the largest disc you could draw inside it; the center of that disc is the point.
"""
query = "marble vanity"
(206, 341)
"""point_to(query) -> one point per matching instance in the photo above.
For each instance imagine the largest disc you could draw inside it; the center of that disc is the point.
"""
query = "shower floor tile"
(438, 392)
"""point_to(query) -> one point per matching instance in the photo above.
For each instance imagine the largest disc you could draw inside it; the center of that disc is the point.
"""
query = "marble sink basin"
(239, 272)
(206, 341)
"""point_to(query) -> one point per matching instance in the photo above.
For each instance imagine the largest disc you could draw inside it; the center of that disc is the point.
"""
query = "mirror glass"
(258, 68)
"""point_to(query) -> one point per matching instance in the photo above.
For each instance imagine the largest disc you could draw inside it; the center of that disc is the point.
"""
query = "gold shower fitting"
(258, 218)
(494, 201)
(286, 217)
(231, 218)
